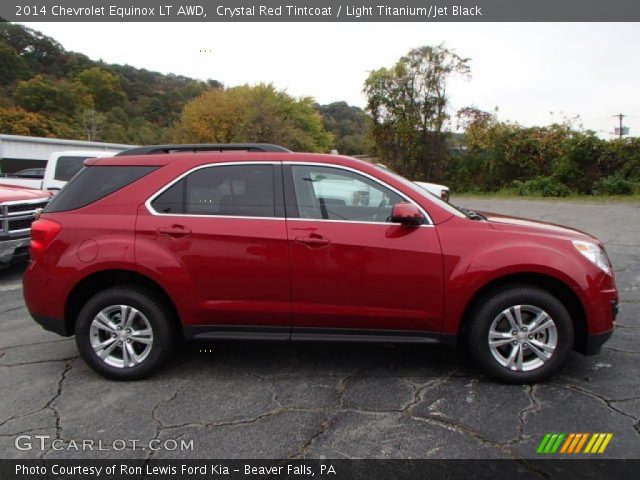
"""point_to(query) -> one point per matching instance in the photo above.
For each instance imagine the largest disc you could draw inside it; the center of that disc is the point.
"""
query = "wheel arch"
(553, 285)
(100, 280)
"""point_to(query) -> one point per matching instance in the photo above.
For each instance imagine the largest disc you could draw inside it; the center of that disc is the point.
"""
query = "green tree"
(253, 114)
(350, 126)
(104, 87)
(408, 105)
(59, 97)
(12, 66)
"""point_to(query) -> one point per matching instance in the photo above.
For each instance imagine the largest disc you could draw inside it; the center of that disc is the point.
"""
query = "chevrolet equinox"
(253, 241)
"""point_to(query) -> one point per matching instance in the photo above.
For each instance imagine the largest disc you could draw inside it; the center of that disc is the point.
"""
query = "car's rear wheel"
(520, 335)
(124, 333)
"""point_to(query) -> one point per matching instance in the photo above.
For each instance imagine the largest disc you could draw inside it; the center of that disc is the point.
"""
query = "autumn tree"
(104, 88)
(253, 114)
(408, 104)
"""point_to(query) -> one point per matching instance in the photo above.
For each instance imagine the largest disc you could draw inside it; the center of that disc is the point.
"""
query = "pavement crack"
(604, 400)
(326, 422)
(36, 362)
(421, 389)
(160, 426)
(50, 404)
(533, 407)
(11, 309)
(465, 430)
(10, 347)
(619, 350)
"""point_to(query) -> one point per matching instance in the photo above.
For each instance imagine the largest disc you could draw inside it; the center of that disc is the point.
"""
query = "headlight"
(594, 254)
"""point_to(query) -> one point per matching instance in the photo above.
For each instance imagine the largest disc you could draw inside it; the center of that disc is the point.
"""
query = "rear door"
(218, 237)
(354, 273)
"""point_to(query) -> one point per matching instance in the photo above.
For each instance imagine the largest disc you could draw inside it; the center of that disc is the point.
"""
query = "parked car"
(27, 173)
(60, 168)
(18, 206)
(439, 191)
(249, 242)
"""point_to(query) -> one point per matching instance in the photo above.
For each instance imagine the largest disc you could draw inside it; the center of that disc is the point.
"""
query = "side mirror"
(407, 214)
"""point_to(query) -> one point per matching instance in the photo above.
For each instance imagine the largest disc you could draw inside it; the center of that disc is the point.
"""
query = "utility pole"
(620, 129)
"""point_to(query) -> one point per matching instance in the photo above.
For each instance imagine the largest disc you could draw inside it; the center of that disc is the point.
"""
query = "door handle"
(314, 241)
(175, 231)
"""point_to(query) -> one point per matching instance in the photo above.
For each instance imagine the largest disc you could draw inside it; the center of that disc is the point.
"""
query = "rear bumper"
(55, 325)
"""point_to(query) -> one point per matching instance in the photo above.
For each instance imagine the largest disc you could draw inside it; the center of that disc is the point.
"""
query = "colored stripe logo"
(574, 443)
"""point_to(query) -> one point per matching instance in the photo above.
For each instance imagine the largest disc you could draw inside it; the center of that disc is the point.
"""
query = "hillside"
(46, 90)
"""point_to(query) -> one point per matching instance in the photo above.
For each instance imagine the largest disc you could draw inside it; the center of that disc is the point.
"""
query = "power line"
(620, 131)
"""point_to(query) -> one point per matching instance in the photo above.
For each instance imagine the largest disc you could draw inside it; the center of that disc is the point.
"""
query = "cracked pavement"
(280, 400)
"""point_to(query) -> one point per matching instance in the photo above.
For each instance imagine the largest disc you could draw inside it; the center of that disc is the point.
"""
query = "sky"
(533, 73)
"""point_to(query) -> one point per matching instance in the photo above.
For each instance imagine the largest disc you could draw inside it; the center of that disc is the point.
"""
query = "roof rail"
(204, 147)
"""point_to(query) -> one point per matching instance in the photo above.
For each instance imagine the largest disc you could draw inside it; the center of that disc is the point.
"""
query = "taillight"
(43, 231)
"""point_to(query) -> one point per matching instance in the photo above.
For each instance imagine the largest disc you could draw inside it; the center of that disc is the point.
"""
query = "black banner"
(320, 10)
(565, 469)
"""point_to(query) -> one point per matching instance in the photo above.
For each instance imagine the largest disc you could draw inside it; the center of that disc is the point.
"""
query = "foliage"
(408, 105)
(544, 186)
(38, 76)
(554, 160)
(350, 126)
(253, 114)
(80, 98)
(18, 121)
(613, 185)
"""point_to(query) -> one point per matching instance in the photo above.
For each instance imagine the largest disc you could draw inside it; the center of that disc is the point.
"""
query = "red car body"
(302, 279)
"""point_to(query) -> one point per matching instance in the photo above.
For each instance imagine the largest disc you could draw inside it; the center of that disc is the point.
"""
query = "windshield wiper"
(471, 214)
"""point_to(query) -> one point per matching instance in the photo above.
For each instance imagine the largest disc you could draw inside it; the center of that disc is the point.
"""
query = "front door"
(350, 267)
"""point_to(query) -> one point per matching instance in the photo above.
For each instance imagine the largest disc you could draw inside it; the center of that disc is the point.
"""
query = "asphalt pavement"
(279, 400)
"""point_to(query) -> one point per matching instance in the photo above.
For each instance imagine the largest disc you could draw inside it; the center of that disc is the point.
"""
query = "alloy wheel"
(522, 338)
(121, 336)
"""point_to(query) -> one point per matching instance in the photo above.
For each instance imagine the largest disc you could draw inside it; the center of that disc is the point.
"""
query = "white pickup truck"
(439, 191)
(60, 167)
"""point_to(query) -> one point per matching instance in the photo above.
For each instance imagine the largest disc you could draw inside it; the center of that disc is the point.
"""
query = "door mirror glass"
(407, 214)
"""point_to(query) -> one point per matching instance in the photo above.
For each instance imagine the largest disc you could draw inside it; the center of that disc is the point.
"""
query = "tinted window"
(336, 194)
(94, 183)
(242, 190)
(67, 167)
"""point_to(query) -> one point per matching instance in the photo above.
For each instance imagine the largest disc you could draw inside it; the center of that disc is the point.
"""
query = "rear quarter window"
(93, 183)
(67, 167)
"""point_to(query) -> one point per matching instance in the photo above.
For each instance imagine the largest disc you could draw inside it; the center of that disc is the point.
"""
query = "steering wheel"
(380, 211)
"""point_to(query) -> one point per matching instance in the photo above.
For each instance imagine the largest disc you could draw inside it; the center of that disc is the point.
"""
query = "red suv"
(257, 242)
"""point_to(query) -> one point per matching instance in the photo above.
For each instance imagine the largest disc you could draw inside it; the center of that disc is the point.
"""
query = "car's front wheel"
(520, 335)
(124, 333)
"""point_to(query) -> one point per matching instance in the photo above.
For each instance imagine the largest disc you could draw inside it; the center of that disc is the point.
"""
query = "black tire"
(488, 309)
(158, 316)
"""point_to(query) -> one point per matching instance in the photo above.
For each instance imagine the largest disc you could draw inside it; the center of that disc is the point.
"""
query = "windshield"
(417, 188)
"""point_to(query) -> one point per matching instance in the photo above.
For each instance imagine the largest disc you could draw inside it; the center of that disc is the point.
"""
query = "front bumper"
(595, 342)
(13, 249)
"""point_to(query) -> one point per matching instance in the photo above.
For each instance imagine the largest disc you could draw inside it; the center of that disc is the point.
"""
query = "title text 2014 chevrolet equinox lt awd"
(257, 242)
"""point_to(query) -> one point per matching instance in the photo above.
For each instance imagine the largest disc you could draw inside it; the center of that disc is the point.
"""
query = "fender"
(466, 275)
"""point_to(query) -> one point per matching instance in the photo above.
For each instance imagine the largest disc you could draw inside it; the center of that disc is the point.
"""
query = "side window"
(232, 190)
(335, 194)
(67, 167)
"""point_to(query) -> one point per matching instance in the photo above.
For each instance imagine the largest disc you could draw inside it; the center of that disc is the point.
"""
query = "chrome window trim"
(370, 177)
(150, 209)
(193, 215)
